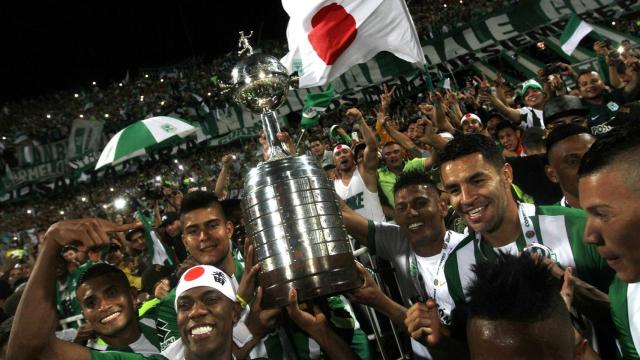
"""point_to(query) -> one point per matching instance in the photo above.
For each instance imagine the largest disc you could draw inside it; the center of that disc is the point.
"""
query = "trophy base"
(332, 274)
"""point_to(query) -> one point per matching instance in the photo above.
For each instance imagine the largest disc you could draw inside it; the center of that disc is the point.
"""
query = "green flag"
(575, 31)
(314, 106)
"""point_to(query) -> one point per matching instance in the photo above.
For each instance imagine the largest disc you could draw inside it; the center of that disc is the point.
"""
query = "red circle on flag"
(194, 273)
(334, 29)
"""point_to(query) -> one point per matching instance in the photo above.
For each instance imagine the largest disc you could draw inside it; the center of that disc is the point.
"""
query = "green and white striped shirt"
(625, 312)
(558, 228)
(147, 344)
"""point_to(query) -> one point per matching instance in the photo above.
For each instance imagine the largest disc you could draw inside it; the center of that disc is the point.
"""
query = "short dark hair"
(467, 144)
(533, 138)
(514, 288)
(619, 147)
(389, 143)
(587, 71)
(506, 124)
(562, 132)
(200, 200)
(316, 138)
(103, 269)
(415, 177)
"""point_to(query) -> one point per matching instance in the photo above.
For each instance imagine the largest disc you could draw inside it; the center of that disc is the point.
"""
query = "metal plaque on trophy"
(291, 210)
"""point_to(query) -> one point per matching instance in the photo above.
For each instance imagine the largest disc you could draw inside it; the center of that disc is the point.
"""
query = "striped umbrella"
(133, 140)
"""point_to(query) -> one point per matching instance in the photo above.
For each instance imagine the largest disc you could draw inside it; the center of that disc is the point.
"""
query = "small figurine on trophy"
(244, 44)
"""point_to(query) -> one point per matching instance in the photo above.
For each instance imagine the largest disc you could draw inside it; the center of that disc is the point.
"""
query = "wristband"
(241, 301)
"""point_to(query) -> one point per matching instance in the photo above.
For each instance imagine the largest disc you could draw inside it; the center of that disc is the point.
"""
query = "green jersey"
(147, 344)
(625, 312)
(388, 178)
(118, 355)
(558, 228)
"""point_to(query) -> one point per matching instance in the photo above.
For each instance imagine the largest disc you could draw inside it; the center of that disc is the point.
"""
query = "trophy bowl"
(261, 83)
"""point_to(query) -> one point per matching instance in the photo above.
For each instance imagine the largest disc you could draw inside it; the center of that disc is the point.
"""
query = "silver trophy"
(290, 208)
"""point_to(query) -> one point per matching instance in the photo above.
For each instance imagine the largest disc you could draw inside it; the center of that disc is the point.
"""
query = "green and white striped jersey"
(558, 228)
(625, 312)
(146, 345)
(119, 355)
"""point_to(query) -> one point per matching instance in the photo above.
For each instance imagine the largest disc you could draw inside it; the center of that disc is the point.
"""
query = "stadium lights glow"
(180, 167)
(93, 83)
(81, 116)
(29, 211)
(146, 76)
(112, 189)
(208, 94)
(48, 116)
(613, 23)
(105, 206)
(141, 98)
(158, 178)
(445, 5)
(120, 84)
(119, 203)
(161, 80)
(175, 161)
(83, 199)
(75, 95)
(106, 115)
(61, 212)
(620, 49)
(161, 103)
(4, 138)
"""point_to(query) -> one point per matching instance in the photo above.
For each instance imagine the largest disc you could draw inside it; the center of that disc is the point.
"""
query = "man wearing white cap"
(206, 313)
(357, 183)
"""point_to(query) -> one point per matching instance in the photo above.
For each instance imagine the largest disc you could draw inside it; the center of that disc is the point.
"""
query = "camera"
(550, 69)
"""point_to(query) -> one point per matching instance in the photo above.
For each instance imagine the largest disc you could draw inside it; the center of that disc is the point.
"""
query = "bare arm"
(370, 166)
(357, 226)
(511, 113)
(402, 139)
(316, 325)
(223, 178)
(370, 294)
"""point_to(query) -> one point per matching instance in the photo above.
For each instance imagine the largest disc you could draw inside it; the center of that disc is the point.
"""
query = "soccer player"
(609, 185)
(417, 246)
(106, 299)
(478, 181)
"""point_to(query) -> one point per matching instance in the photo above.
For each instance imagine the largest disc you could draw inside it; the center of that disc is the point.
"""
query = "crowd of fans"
(436, 19)
(474, 196)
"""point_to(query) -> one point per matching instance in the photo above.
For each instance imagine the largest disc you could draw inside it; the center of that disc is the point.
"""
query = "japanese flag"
(327, 37)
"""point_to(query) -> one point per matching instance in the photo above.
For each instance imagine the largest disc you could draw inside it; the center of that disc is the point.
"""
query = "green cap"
(530, 84)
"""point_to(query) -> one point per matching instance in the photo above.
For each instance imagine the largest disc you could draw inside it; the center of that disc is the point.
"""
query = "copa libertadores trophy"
(290, 208)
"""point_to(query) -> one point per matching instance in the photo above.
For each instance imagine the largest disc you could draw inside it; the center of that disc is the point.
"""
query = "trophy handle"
(271, 129)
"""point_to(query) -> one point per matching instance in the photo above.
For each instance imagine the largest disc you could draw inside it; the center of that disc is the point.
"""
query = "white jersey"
(359, 198)
(530, 117)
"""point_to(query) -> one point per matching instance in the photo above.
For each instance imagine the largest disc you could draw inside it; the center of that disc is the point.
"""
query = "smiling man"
(206, 313)
(417, 246)
(105, 297)
(478, 181)
(529, 116)
(609, 185)
(601, 103)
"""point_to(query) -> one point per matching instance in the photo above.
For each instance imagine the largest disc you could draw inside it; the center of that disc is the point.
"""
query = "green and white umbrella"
(133, 140)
